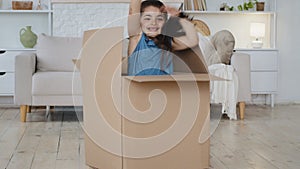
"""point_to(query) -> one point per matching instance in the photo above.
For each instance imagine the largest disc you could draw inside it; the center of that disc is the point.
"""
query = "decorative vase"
(27, 37)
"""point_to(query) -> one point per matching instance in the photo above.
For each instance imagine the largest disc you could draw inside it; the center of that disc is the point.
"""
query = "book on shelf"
(186, 5)
(194, 5)
(204, 5)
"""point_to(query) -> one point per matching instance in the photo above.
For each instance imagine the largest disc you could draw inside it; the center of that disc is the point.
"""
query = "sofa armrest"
(241, 62)
(25, 66)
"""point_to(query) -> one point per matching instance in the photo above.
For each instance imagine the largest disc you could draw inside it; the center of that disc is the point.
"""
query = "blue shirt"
(149, 59)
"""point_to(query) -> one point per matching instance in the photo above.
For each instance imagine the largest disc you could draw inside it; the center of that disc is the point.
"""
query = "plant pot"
(260, 6)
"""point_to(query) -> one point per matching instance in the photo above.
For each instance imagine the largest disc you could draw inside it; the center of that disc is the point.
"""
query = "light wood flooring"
(267, 139)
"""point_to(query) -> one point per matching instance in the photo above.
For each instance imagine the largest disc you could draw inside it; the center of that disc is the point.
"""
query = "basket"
(201, 27)
(22, 5)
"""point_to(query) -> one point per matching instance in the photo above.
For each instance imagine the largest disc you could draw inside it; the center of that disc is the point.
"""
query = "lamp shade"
(257, 30)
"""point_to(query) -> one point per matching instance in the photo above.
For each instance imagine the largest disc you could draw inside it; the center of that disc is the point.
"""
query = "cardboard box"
(143, 122)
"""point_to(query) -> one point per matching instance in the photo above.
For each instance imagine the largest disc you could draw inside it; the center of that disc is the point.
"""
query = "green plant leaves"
(245, 6)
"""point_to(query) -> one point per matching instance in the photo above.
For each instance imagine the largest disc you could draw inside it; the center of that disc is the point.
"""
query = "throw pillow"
(56, 53)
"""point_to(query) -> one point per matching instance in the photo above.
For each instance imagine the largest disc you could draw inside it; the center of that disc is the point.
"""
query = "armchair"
(219, 49)
(241, 63)
(47, 76)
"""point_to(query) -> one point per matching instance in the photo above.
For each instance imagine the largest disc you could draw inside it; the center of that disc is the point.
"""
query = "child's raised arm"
(133, 18)
(190, 39)
(134, 28)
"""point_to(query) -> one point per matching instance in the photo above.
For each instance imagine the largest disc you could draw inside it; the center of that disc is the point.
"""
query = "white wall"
(73, 19)
(288, 26)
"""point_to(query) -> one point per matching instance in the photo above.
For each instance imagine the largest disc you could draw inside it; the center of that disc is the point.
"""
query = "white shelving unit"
(264, 61)
(10, 46)
(239, 24)
(14, 20)
(264, 71)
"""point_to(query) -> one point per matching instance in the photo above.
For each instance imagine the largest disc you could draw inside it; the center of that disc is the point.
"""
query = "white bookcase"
(10, 46)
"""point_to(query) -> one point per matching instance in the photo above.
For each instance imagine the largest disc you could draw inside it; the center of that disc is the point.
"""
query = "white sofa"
(47, 77)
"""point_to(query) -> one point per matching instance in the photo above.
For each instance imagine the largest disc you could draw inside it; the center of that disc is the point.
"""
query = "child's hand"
(172, 11)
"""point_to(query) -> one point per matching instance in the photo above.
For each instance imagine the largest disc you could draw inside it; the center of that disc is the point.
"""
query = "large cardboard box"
(143, 122)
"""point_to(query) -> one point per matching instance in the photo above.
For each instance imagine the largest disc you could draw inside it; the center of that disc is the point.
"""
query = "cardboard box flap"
(190, 60)
(76, 62)
(182, 77)
(87, 34)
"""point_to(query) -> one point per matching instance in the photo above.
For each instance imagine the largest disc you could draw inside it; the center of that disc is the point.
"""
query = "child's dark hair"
(154, 3)
(161, 41)
(171, 28)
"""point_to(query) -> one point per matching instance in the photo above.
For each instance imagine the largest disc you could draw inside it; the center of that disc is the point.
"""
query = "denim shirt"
(149, 59)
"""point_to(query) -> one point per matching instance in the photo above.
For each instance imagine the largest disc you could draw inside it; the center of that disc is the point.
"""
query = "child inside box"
(150, 39)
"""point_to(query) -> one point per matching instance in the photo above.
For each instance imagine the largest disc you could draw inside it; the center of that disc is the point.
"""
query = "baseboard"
(7, 101)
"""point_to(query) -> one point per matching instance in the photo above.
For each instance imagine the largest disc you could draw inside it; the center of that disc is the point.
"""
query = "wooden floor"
(267, 139)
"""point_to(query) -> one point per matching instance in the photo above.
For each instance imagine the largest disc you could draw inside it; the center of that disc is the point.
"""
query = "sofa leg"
(28, 109)
(52, 108)
(23, 112)
(242, 110)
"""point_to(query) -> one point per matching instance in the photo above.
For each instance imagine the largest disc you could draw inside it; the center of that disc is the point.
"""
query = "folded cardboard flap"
(177, 77)
(76, 62)
(88, 34)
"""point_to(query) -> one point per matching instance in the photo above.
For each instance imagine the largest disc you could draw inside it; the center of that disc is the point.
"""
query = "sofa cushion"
(56, 53)
(56, 83)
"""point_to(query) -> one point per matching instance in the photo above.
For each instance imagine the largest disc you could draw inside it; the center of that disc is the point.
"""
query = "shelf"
(104, 1)
(25, 11)
(231, 12)
(255, 49)
(17, 49)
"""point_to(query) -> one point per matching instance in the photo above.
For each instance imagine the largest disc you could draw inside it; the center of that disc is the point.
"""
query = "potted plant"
(247, 5)
(225, 7)
(260, 6)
